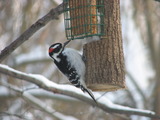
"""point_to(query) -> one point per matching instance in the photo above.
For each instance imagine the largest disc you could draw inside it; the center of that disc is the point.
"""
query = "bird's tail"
(89, 92)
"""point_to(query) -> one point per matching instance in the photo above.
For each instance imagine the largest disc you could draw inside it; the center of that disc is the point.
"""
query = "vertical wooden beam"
(104, 58)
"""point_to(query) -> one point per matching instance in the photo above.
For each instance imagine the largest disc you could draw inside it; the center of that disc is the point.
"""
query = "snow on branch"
(68, 90)
(40, 104)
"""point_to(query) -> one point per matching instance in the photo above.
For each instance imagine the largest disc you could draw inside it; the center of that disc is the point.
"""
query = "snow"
(109, 104)
(45, 81)
(103, 100)
(10, 69)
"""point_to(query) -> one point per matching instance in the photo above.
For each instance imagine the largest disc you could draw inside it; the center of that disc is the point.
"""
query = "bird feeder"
(84, 18)
(104, 58)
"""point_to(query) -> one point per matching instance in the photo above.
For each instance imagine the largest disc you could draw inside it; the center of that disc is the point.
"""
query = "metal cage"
(84, 18)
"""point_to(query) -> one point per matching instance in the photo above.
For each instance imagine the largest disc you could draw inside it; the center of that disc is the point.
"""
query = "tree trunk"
(104, 58)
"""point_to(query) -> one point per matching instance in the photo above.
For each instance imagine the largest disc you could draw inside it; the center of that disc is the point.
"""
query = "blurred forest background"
(141, 37)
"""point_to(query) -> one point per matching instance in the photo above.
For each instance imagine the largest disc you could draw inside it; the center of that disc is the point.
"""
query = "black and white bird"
(71, 64)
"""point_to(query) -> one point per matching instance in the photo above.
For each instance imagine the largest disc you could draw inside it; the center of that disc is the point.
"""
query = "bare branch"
(39, 93)
(15, 115)
(46, 108)
(53, 14)
(69, 90)
(37, 102)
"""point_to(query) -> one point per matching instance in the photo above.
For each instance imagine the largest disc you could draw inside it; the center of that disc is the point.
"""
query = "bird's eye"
(57, 48)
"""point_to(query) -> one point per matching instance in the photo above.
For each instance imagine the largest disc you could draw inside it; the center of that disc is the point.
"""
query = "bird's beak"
(66, 43)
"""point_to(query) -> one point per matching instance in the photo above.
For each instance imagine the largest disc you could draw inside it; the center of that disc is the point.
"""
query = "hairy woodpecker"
(71, 64)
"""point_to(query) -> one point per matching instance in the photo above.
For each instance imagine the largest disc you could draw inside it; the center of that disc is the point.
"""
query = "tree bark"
(104, 58)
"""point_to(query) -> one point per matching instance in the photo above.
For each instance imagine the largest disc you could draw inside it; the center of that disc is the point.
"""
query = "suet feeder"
(84, 18)
(104, 58)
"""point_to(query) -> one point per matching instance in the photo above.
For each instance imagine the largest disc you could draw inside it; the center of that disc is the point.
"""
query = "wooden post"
(104, 58)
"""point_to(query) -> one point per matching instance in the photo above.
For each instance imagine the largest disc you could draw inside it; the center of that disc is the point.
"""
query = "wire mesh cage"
(84, 18)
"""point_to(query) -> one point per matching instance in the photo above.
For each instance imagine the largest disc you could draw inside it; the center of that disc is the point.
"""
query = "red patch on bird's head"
(50, 50)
